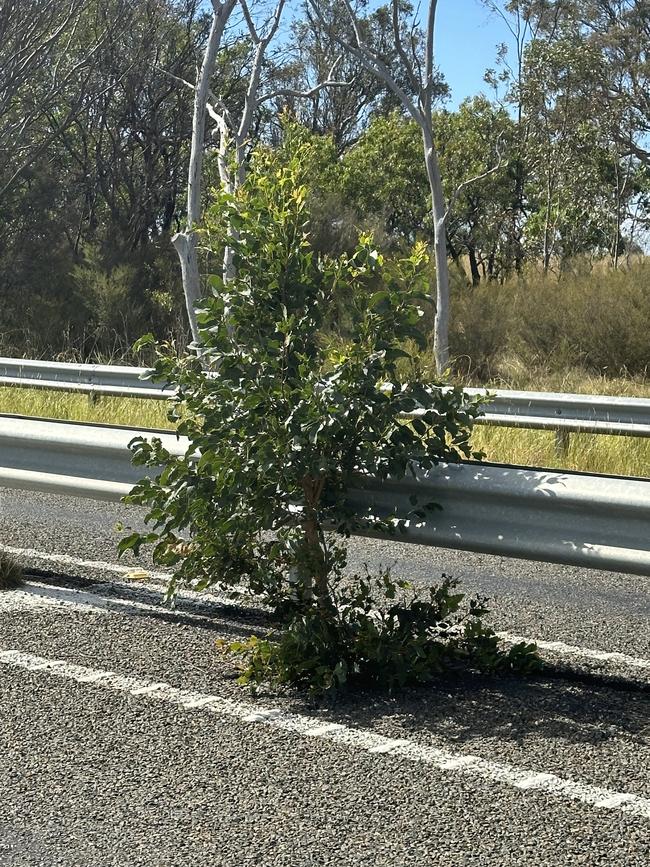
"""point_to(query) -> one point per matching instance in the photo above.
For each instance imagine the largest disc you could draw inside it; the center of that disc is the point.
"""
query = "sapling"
(285, 412)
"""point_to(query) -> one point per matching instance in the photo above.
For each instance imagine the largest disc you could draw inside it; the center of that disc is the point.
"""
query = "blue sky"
(466, 38)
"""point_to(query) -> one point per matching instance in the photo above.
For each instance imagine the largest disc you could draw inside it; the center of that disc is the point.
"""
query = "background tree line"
(95, 131)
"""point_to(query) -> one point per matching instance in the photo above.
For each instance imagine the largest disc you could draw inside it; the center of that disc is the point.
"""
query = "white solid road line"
(557, 647)
(362, 740)
(562, 649)
(139, 578)
(33, 595)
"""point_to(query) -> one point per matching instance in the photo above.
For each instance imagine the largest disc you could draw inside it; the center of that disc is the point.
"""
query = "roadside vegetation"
(67, 406)
(284, 226)
(292, 422)
(11, 573)
(546, 173)
(547, 187)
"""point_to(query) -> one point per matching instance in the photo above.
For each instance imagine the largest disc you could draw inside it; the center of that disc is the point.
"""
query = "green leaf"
(378, 299)
(142, 342)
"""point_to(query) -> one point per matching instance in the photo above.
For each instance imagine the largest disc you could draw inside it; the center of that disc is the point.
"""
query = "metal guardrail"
(96, 379)
(563, 413)
(82, 460)
(577, 413)
(598, 522)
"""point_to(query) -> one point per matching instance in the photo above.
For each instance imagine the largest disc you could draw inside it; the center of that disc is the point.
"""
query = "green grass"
(587, 452)
(591, 453)
(128, 411)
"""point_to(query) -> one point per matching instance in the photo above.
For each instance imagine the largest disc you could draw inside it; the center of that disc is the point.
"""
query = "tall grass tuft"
(11, 573)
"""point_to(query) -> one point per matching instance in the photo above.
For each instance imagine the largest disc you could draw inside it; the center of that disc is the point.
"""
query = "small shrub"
(11, 573)
(369, 638)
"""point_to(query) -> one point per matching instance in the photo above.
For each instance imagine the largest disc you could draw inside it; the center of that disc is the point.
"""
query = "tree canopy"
(95, 130)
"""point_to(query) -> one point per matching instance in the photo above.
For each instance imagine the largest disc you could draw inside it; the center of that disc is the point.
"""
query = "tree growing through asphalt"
(285, 411)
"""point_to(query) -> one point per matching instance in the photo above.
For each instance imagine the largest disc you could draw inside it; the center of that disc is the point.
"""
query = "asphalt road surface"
(124, 739)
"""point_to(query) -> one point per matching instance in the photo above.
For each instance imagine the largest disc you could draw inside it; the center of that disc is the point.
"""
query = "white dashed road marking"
(362, 740)
(18, 600)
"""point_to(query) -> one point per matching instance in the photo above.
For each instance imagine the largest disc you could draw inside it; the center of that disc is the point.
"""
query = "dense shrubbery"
(292, 414)
(597, 320)
(89, 305)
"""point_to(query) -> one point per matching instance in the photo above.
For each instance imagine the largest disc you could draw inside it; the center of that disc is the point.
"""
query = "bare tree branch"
(26, 50)
(406, 60)
(480, 177)
(249, 22)
(421, 112)
(429, 52)
(367, 56)
(330, 81)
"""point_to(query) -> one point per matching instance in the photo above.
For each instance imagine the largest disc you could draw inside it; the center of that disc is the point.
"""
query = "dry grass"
(591, 319)
(11, 573)
(515, 375)
(591, 453)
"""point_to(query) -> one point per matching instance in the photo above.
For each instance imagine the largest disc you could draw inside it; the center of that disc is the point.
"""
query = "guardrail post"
(562, 438)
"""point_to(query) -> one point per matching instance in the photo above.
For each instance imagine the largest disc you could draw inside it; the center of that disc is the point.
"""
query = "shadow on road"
(146, 602)
(512, 709)
(573, 705)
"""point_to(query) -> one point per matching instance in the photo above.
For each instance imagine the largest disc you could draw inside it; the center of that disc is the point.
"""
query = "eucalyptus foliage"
(281, 413)
(285, 405)
(380, 633)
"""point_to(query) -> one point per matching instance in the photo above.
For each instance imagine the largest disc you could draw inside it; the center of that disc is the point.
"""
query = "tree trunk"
(229, 270)
(186, 242)
(547, 249)
(187, 253)
(315, 568)
(318, 567)
(491, 262)
(473, 265)
(439, 214)
(453, 252)
(618, 195)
